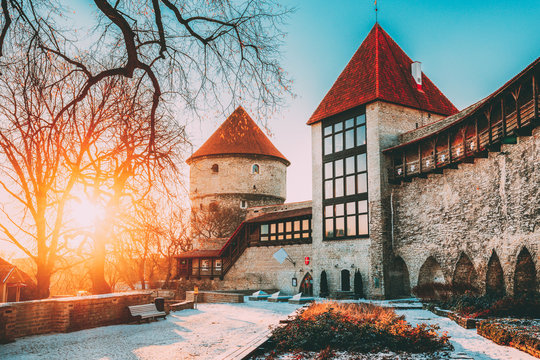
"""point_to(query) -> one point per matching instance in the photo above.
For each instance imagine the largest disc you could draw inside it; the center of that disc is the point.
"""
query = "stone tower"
(379, 95)
(237, 167)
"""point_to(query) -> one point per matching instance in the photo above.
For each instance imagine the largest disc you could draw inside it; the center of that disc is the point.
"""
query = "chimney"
(416, 71)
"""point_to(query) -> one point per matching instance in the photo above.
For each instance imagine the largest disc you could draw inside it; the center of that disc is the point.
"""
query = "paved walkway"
(206, 333)
(467, 343)
(215, 330)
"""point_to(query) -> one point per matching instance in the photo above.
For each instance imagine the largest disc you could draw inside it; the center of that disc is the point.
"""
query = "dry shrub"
(357, 312)
(355, 327)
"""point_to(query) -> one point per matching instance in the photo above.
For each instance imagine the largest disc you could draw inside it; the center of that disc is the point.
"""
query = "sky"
(467, 48)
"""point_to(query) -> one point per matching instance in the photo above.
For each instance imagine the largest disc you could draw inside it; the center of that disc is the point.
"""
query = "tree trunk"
(43, 281)
(99, 284)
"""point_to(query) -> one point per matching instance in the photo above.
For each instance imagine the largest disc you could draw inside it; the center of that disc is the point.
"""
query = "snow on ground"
(204, 333)
(467, 343)
(213, 329)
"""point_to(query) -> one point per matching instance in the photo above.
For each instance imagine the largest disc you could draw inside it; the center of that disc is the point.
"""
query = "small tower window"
(243, 204)
(215, 168)
(255, 169)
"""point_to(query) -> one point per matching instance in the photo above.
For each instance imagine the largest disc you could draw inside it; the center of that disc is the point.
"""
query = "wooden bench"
(146, 311)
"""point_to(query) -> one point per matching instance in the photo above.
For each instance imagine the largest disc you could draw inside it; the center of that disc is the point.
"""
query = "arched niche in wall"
(400, 285)
(431, 281)
(345, 280)
(525, 274)
(495, 276)
(465, 276)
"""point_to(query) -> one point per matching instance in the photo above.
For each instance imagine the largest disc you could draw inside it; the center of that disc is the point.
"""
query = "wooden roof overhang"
(509, 112)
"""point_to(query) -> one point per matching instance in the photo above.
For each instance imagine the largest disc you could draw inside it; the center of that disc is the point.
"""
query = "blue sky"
(467, 48)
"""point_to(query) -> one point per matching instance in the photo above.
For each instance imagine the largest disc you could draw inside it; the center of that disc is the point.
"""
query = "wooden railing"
(505, 127)
(234, 248)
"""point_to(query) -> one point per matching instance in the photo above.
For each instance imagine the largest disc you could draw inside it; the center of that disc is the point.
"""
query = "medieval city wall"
(491, 206)
(234, 181)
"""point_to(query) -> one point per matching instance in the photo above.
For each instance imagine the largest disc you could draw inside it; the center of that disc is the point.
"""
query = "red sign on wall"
(306, 260)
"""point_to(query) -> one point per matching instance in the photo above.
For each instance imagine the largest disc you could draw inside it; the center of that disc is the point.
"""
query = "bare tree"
(215, 221)
(223, 50)
(35, 176)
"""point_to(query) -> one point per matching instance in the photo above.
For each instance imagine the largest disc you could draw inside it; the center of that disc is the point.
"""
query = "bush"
(509, 334)
(493, 306)
(432, 291)
(355, 327)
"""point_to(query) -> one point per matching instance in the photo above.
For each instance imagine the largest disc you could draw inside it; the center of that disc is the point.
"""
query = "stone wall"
(487, 212)
(64, 315)
(235, 180)
(214, 297)
(257, 269)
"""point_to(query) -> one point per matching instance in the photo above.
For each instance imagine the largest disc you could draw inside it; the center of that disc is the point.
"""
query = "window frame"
(288, 234)
(328, 130)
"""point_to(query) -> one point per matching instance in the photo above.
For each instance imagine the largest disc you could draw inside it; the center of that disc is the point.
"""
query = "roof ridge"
(377, 76)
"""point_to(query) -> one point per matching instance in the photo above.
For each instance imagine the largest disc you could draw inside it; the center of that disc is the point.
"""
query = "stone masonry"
(490, 206)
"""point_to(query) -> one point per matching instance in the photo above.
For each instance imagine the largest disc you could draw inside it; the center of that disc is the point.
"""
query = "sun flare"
(85, 213)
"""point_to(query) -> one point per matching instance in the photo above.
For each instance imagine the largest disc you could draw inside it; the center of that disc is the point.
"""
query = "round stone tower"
(237, 167)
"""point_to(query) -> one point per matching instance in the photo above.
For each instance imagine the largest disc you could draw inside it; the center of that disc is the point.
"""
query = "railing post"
(490, 135)
(464, 140)
(404, 161)
(420, 157)
(449, 148)
(535, 97)
(515, 94)
(503, 117)
(477, 133)
(435, 152)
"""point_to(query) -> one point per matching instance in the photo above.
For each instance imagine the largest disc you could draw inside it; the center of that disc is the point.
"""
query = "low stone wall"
(215, 297)
(67, 314)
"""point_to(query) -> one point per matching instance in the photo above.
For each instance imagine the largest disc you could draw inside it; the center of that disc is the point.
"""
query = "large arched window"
(255, 169)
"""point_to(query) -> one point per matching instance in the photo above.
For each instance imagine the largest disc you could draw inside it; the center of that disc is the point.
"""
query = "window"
(243, 204)
(215, 168)
(255, 169)
(290, 229)
(345, 181)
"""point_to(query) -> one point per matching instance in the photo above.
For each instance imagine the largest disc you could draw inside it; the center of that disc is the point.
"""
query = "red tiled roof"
(279, 215)
(238, 135)
(380, 70)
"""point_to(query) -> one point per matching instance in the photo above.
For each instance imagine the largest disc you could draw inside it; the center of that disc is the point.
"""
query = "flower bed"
(361, 328)
(521, 334)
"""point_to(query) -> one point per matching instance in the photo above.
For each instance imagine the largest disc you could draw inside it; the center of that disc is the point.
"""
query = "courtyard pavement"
(210, 331)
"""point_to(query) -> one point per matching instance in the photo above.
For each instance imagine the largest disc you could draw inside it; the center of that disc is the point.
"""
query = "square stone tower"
(380, 94)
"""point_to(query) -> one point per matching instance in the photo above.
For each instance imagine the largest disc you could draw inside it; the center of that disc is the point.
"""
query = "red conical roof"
(238, 135)
(380, 70)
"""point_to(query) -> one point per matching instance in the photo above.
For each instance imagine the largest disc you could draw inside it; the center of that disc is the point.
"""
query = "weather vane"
(376, 13)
